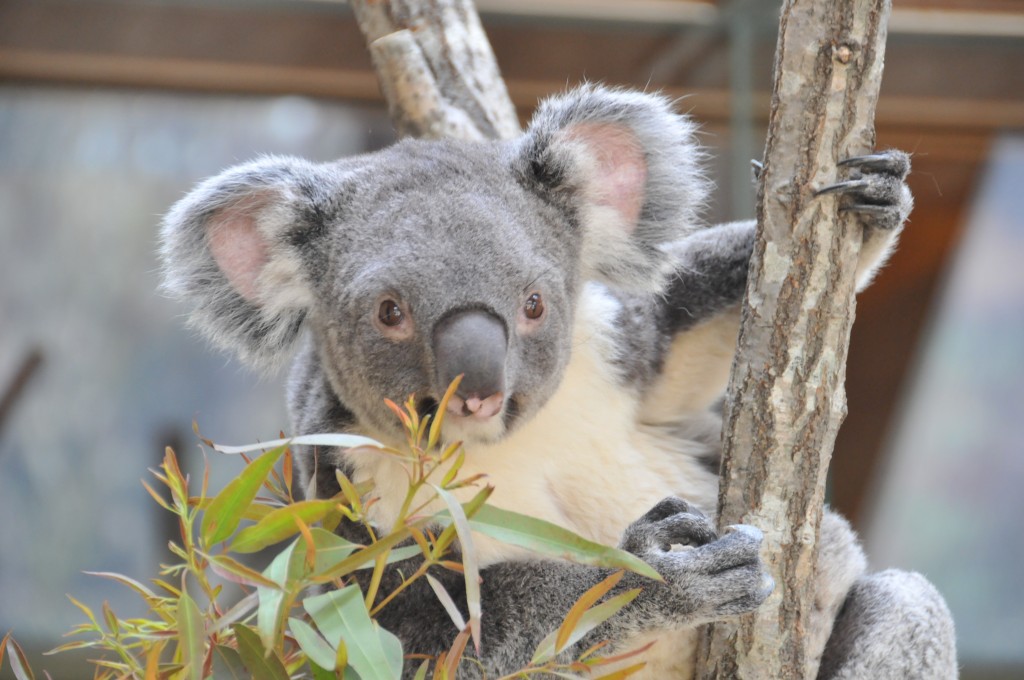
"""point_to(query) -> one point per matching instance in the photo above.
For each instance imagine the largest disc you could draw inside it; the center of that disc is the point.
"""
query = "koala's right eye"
(393, 319)
(389, 313)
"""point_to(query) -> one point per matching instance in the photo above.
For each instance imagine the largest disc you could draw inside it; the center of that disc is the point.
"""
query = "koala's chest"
(582, 462)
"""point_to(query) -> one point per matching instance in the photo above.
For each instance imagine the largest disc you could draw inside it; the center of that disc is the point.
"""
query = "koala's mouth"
(470, 427)
(427, 406)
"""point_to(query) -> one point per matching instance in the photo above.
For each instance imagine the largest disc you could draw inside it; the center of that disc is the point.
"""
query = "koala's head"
(429, 260)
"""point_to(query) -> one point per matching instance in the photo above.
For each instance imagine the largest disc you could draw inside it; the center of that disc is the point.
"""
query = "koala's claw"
(875, 189)
(849, 185)
(756, 168)
(892, 162)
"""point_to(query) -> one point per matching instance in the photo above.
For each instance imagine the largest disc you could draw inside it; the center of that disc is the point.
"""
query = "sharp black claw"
(867, 208)
(867, 159)
(891, 162)
(756, 168)
(841, 186)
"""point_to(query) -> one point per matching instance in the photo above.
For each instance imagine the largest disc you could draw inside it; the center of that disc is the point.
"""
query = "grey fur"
(597, 206)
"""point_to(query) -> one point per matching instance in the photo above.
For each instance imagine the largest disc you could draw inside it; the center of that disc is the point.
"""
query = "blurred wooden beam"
(221, 75)
(315, 49)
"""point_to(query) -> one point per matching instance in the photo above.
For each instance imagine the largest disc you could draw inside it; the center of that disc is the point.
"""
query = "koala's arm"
(523, 602)
(697, 317)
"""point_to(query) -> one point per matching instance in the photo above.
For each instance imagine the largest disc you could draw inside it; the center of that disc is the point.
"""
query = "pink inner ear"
(238, 247)
(620, 167)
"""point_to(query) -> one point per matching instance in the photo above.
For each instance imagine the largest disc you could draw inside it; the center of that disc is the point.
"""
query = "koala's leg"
(893, 625)
(841, 562)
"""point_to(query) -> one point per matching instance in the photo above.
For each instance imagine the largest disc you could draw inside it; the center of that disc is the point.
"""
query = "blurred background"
(111, 109)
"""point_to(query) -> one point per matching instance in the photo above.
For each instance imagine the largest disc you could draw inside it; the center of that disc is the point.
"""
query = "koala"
(568, 277)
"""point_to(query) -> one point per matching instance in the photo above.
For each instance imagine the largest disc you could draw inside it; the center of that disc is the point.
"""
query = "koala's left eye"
(534, 307)
(394, 320)
(389, 313)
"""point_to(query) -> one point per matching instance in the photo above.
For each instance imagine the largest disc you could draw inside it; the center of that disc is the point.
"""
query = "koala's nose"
(472, 343)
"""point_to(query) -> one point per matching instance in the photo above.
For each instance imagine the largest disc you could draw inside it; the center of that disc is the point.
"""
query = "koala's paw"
(716, 578)
(673, 521)
(875, 188)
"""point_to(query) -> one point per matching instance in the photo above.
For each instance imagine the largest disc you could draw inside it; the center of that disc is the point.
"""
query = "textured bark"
(786, 397)
(436, 69)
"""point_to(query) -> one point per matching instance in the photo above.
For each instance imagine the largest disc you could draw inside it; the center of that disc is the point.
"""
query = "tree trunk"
(436, 69)
(786, 397)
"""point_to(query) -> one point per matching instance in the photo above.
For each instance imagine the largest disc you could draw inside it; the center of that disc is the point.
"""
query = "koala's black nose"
(472, 343)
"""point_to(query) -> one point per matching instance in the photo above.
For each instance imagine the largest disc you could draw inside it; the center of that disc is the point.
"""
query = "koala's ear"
(628, 168)
(231, 250)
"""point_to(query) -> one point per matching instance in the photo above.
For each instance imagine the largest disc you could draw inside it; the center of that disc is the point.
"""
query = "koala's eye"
(389, 313)
(534, 307)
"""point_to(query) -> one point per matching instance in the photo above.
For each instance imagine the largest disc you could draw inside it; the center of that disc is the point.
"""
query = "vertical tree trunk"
(786, 396)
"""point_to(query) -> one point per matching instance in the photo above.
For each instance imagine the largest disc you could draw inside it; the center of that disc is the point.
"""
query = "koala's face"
(459, 267)
(431, 260)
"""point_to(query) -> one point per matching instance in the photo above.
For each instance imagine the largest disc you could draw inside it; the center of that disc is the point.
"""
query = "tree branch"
(436, 69)
(786, 396)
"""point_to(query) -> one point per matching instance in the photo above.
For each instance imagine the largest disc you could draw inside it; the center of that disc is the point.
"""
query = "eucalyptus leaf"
(261, 665)
(594, 617)
(373, 652)
(225, 511)
(469, 563)
(345, 441)
(280, 524)
(227, 664)
(191, 636)
(312, 644)
(552, 540)
(274, 603)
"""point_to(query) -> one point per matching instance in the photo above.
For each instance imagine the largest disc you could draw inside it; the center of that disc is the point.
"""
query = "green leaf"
(289, 572)
(242, 609)
(586, 601)
(421, 672)
(442, 408)
(469, 562)
(366, 555)
(321, 673)
(552, 540)
(590, 620)
(221, 517)
(275, 603)
(449, 604)
(261, 666)
(88, 613)
(142, 590)
(373, 652)
(280, 524)
(237, 572)
(191, 636)
(227, 663)
(19, 662)
(330, 549)
(345, 441)
(316, 648)
(623, 673)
